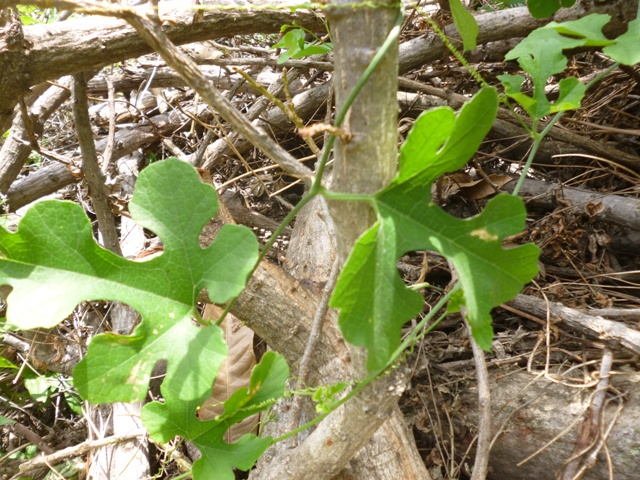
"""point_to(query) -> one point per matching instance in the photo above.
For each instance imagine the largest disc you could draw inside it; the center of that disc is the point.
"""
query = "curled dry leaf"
(475, 189)
(234, 373)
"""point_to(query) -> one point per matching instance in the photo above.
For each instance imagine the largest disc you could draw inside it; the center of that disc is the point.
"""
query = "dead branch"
(76, 451)
(610, 332)
(54, 50)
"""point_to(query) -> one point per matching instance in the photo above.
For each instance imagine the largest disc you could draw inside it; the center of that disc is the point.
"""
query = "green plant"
(42, 387)
(53, 257)
(541, 56)
(164, 290)
(374, 302)
(30, 14)
(294, 45)
(546, 8)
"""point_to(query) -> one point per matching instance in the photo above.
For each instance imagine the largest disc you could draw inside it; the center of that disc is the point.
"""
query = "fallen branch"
(606, 207)
(611, 332)
(75, 451)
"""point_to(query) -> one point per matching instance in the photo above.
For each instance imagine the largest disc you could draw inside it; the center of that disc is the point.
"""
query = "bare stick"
(152, 33)
(314, 338)
(76, 451)
(481, 464)
(111, 138)
(91, 168)
(589, 430)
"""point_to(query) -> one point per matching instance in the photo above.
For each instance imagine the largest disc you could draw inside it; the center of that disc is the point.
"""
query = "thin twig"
(481, 464)
(34, 438)
(153, 34)
(76, 451)
(111, 138)
(314, 337)
(588, 433)
(245, 62)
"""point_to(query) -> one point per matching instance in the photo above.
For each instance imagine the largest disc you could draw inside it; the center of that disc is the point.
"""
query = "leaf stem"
(345, 197)
(537, 140)
(538, 137)
(456, 53)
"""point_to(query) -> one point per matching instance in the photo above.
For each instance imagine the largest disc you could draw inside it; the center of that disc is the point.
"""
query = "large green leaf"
(374, 301)
(164, 421)
(540, 55)
(53, 263)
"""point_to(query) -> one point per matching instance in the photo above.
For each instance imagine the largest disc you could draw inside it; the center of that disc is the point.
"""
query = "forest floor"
(576, 203)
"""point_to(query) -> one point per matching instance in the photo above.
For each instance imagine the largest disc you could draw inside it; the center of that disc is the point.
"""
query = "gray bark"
(528, 413)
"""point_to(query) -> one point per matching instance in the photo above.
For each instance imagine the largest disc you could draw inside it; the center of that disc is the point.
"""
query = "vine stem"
(456, 53)
(537, 140)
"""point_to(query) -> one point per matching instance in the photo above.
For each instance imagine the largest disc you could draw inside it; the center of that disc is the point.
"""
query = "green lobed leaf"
(465, 23)
(552, 39)
(513, 88)
(627, 47)
(41, 387)
(164, 421)
(4, 363)
(53, 263)
(311, 49)
(587, 29)
(292, 43)
(374, 303)
(540, 55)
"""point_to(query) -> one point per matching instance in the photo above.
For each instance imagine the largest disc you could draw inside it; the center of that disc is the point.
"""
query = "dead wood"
(610, 332)
(52, 178)
(530, 410)
(605, 207)
(56, 176)
(572, 143)
(64, 48)
(512, 23)
(24, 134)
(75, 451)
(165, 77)
(51, 51)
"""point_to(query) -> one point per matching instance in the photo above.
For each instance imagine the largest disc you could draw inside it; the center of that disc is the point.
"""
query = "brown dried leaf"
(474, 189)
(482, 188)
(234, 373)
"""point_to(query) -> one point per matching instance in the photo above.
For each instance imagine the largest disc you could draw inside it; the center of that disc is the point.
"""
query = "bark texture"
(528, 413)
